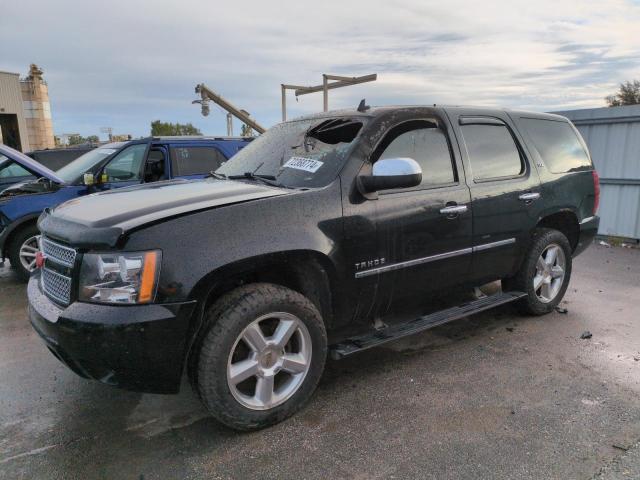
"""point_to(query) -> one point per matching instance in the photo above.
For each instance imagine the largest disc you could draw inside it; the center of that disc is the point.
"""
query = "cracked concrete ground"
(470, 400)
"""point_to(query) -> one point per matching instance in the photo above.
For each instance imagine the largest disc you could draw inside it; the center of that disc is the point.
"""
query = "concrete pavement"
(496, 395)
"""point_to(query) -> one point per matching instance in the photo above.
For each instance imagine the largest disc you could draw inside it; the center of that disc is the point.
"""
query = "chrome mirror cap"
(393, 167)
(389, 174)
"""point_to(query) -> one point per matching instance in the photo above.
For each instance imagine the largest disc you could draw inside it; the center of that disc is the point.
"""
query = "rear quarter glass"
(558, 145)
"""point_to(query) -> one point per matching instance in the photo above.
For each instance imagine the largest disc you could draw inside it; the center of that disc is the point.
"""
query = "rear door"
(505, 190)
(194, 160)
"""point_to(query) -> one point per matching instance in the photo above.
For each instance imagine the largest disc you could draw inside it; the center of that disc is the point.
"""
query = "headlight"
(124, 277)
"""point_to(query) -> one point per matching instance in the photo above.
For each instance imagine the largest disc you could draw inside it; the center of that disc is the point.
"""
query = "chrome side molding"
(440, 256)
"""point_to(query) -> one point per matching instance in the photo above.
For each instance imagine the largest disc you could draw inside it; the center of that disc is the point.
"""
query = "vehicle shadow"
(481, 325)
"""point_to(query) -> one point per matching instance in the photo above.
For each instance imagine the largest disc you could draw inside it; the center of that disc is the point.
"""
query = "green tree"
(159, 128)
(628, 94)
(79, 139)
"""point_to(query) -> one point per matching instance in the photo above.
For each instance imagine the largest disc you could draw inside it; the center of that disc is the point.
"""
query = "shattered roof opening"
(336, 130)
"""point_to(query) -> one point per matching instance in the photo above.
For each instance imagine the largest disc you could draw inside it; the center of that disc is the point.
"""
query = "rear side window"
(195, 160)
(558, 145)
(492, 151)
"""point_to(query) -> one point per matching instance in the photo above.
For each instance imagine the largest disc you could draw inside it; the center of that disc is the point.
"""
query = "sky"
(122, 64)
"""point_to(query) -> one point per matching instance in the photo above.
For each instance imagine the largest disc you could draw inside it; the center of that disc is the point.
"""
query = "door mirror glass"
(391, 173)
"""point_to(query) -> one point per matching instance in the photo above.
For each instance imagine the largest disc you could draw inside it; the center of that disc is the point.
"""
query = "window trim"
(489, 120)
(439, 124)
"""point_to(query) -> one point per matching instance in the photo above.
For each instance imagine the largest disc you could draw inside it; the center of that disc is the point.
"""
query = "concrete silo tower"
(37, 110)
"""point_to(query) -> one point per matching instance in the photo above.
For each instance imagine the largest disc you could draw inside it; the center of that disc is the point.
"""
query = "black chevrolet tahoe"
(327, 235)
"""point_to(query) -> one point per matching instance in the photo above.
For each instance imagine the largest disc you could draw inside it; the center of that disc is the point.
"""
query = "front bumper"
(588, 231)
(139, 347)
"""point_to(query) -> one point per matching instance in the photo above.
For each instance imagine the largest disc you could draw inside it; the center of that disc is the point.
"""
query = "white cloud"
(124, 64)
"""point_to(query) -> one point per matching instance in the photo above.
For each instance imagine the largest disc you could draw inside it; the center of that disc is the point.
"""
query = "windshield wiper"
(219, 176)
(266, 179)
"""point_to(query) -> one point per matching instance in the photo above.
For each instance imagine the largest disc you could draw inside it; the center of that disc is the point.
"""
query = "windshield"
(72, 172)
(9, 169)
(303, 153)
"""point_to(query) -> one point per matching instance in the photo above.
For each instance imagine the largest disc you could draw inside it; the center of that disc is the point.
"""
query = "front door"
(425, 231)
(505, 190)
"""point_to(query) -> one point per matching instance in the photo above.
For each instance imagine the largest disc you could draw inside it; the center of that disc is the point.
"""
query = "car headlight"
(120, 277)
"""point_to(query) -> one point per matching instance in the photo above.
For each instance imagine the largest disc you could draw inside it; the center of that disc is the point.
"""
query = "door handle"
(453, 210)
(529, 197)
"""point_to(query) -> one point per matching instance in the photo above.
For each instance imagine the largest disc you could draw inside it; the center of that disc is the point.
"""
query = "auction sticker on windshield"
(306, 164)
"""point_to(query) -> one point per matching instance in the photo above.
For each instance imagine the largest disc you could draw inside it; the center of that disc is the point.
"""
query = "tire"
(280, 378)
(22, 236)
(543, 299)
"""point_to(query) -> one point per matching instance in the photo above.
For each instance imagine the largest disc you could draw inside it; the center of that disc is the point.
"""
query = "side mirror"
(88, 179)
(390, 173)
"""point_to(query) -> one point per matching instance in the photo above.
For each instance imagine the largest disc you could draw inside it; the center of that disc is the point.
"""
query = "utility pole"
(206, 95)
(338, 82)
(229, 125)
(108, 131)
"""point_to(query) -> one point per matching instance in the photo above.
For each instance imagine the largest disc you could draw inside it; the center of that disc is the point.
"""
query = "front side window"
(195, 160)
(492, 151)
(10, 169)
(73, 172)
(558, 145)
(127, 165)
(425, 144)
(301, 153)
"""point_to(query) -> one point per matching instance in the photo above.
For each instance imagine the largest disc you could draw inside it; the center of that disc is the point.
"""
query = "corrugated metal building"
(25, 111)
(13, 126)
(613, 136)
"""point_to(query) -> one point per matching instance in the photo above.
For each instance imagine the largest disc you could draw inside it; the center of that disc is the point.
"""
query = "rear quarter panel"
(570, 191)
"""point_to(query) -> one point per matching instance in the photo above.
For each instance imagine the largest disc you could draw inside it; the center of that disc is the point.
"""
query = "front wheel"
(22, 251)
(545, 272)
(262, 357)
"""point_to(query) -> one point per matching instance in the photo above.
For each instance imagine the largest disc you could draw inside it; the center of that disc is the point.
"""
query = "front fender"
(196, 246)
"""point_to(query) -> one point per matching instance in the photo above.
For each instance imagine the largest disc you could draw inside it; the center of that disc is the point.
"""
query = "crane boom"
(207, 94)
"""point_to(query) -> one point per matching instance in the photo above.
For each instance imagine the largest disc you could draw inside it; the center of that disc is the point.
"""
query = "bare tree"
(628, 94)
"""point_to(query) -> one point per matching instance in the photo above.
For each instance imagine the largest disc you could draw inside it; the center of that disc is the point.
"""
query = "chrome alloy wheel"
(28, 252)
(269, 361)
(550, 271)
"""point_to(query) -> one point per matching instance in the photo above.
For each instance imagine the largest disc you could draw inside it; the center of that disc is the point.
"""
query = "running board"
(369, 340)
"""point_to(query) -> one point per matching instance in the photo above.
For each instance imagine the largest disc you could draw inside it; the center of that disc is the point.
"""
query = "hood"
(100, 219)
(29, 164)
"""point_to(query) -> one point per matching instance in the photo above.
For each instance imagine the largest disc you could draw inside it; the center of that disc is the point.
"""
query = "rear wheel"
(22, 251)
(262, 357)
(545, 272)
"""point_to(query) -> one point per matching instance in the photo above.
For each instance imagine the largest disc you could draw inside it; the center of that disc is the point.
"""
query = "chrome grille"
(58, 253)
(56, 286)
